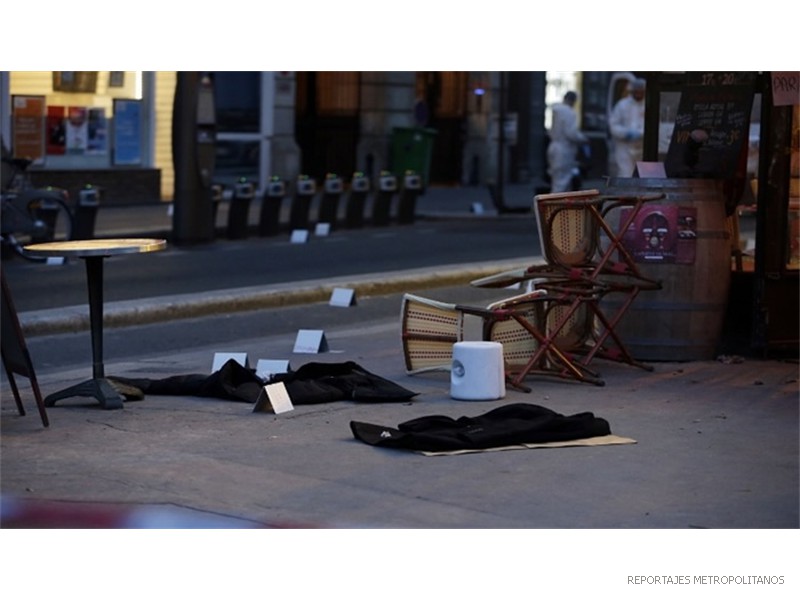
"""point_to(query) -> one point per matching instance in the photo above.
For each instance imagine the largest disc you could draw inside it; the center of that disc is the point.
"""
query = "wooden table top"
(97, 247)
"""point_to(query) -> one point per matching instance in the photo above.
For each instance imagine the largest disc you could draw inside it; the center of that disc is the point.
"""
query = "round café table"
(93, 252)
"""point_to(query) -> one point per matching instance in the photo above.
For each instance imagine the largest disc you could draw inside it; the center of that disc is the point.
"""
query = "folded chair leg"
(621, 353)
(518, 385)
(569, 369)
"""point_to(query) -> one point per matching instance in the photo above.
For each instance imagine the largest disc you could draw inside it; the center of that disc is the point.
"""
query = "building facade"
(114, 129)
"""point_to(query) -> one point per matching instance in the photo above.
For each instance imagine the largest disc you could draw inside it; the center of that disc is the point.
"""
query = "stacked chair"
(528, 347)
(560, 324)
(585, 262)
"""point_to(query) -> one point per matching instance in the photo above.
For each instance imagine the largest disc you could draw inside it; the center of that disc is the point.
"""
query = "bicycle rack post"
(239, 209)
(217, 193)
(86, 213)
(412, 186)
(269, 223)
(305, 189)
(359, 188)
(46, 212)
(382, 207)
(329, 205)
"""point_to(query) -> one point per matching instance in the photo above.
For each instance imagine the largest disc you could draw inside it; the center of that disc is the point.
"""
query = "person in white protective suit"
(627, 129)
(565, 138)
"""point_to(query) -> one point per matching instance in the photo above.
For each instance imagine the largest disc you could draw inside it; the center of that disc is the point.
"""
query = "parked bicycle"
(31, 215)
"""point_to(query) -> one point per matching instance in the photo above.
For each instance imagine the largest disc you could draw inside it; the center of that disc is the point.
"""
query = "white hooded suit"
(627, 129)
(565, 138)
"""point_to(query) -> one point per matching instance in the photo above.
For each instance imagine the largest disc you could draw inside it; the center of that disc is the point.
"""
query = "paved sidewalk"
(716, 447)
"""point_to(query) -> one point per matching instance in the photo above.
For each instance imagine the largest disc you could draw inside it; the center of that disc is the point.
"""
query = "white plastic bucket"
(477, 371)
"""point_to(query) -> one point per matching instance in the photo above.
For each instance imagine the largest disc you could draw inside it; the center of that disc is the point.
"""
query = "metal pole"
(499, 199)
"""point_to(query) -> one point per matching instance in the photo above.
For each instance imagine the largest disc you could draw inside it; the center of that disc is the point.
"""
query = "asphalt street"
(231, 264)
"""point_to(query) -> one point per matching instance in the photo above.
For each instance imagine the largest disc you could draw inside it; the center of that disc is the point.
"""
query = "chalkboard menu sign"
(712, 126)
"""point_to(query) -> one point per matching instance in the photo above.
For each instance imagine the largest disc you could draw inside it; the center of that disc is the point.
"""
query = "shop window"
(63, 119)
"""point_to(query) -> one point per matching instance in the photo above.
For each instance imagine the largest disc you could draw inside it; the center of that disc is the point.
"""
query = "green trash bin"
(412, 148)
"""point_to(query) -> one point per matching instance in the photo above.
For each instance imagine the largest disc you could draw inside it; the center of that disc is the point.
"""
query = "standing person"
(627, 129)
(565, 138)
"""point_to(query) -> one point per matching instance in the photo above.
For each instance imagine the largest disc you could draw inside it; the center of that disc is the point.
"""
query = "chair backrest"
(575, 332)
(429, 329)
(519, 345)
(569, 316)
(568, 232)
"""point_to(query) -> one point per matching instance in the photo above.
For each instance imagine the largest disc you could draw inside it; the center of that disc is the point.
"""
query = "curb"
(186, 306)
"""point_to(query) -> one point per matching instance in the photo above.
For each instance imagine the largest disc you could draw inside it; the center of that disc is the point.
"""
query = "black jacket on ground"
(504, 426)
(312, 383)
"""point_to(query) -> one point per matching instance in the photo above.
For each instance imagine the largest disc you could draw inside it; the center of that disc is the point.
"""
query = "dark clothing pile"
(508, 425)
(313, 383)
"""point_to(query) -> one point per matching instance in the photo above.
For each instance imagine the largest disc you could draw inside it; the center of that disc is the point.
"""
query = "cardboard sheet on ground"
(605, 440)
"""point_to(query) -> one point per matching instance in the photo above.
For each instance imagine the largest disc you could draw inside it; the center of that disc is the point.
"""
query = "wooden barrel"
(683, 320)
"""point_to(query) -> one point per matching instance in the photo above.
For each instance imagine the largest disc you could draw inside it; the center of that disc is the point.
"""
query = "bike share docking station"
(356, 201)
(382, 207)
(239, 209)
(217, 194)
(86, 212)
(269, 222)
(329, 205)
(305, 189)
(407, 205)
(47, 208)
